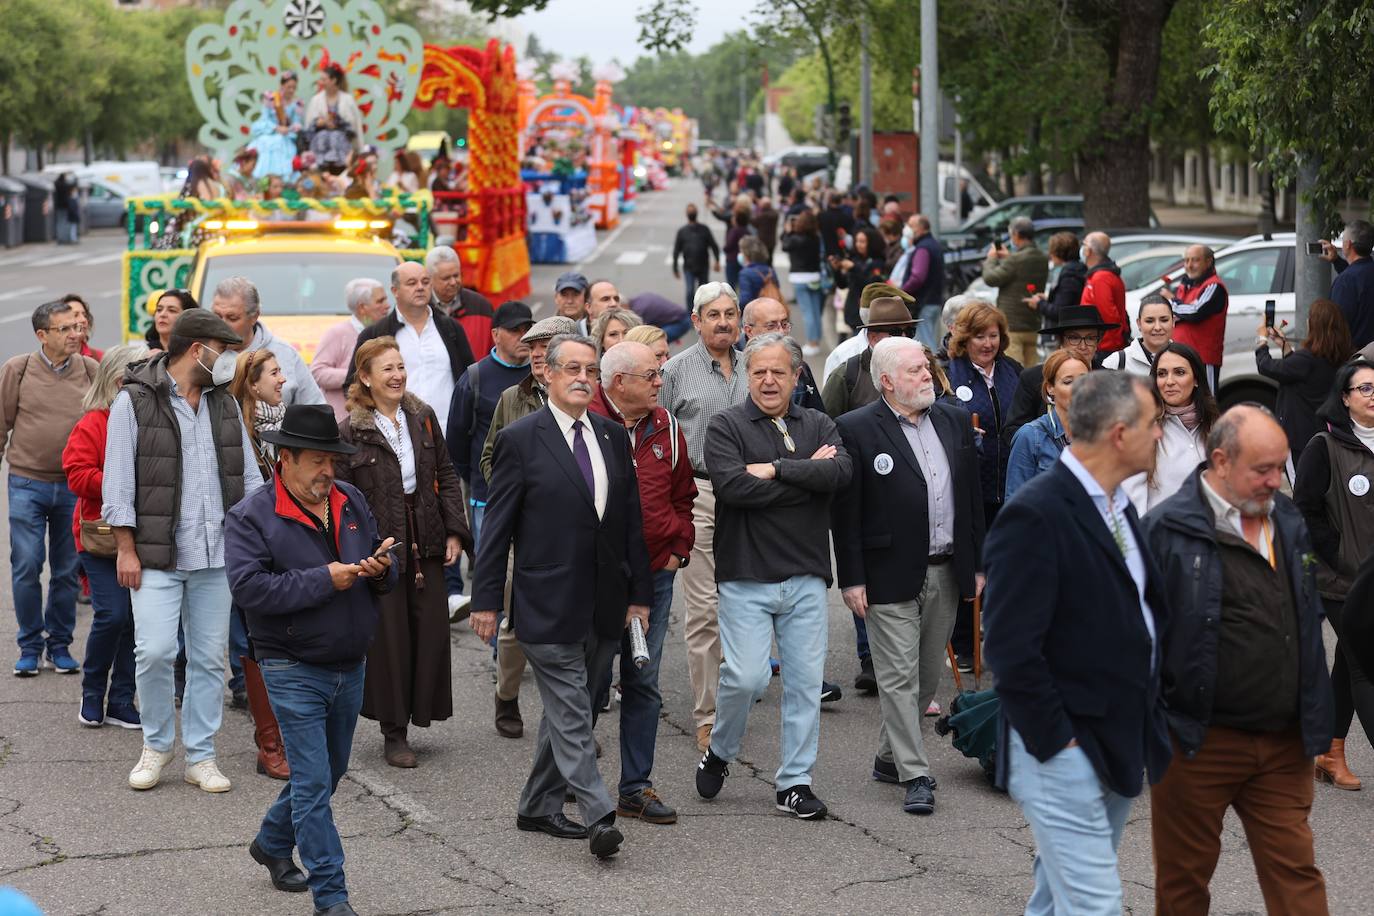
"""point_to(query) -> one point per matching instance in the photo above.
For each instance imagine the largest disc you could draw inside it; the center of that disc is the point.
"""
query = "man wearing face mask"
(925, 278)
(174, 465)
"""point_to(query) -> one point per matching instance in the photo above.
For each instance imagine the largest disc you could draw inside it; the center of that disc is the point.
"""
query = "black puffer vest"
(157, 466)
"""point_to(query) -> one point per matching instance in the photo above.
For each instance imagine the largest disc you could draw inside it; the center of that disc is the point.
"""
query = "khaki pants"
(701, 628)
(907, 641)
(510, 658)
(1025, 348)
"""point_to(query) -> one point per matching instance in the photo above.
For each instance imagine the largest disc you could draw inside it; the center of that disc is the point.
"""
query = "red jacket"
(83, 460)
(666, 492)
(474, 313)
(1107, 293)
(1200, 316)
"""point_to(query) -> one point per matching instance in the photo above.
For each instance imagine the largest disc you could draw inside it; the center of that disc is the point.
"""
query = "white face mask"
(1083, 252)
(222, 372)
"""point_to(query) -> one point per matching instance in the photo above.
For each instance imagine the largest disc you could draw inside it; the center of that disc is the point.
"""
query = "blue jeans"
(861, 637)
(751, 615)
(929, 331)
(640, 699)
(37, 510)
(109, 661)
(479, 512)
(200, 601)
(453, 578)
(691, 282)
(732, 272)
(238, 646)
(1077, 825)
(812, 303)
(676, 330)
(317, 710)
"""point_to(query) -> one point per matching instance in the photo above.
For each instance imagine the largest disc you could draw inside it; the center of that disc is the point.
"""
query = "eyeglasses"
(781, 426)
(576, 369)
(648, 376)
(1367, 389)
(78, 328)
(907, 332)
(1082, 340)
(773, 326)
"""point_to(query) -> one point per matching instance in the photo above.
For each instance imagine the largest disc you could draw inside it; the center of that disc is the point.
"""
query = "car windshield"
(1248, 273)
(995, 222)
(301, 283)
(1139, 273)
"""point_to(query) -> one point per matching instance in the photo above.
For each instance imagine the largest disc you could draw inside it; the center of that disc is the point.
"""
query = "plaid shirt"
(695, 390)
(200, 517)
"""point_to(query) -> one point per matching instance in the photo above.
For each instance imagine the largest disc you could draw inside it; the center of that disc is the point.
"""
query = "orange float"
(597, 119)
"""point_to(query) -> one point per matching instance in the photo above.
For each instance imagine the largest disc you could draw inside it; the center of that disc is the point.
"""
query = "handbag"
(97, 538)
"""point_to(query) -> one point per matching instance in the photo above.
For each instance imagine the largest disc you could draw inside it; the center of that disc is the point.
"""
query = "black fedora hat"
(1079, 318)
(309, 426)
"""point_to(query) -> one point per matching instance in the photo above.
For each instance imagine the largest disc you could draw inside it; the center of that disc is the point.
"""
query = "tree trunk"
(1037, 177)
(1268, 216)
(1116, 173)
(1312, 279)
(1166, 172)
(1008, 182)
(1205, 154)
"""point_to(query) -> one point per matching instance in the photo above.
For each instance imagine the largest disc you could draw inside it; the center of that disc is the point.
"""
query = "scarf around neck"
(1187, 415)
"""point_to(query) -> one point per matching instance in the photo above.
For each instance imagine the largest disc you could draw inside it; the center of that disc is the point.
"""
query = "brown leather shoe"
(396, 749)
(1331, 767)
(508, 721)
(703, 738)
(266, 734)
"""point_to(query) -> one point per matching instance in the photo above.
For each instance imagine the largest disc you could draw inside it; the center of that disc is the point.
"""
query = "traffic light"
(844, 123)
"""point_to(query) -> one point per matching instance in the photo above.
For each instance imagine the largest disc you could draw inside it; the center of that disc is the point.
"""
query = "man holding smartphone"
(306, 564)
(1353, 288)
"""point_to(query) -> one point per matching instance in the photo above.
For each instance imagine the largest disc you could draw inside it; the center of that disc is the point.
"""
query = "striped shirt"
(200, 516)
(695, 390)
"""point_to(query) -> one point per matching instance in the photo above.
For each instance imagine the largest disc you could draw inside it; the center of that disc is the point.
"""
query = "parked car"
(1149, 264)
(963, 265)
(1127, 242)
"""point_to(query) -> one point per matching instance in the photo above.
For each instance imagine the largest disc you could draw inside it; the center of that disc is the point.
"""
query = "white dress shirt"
(565, 426)
(397, 435)
(429, 373)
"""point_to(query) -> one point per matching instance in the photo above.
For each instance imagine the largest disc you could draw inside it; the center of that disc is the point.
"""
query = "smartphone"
(1269, 306)
(1314, 247)
(383, 551)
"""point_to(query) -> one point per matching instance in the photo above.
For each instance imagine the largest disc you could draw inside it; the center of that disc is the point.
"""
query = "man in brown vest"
(174, 465)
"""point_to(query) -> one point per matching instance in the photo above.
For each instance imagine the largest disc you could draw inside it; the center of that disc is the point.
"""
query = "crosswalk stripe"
(631, 258)
(106, 258)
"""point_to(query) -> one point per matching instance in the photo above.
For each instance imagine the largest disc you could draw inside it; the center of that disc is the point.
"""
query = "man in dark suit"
(915, 472)
(1076, 614)
(563, 489)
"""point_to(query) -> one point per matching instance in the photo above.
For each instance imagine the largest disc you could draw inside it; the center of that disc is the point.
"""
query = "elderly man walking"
(1244, 671)
(564, 494)
(40, 402)
(174, 466)
(775, 467)
(306, 564)
(236, 302)
(1077, 618)
(699, 383)
(367, 302)
(915, 472)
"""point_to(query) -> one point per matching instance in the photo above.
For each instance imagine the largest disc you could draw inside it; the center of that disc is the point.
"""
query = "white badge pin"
(883, 464)
(964, 393)
(1359, 485)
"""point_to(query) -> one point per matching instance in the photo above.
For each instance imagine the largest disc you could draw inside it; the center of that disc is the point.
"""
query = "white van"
(981, 188)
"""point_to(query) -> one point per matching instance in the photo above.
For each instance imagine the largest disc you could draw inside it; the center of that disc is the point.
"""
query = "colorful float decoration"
(233, 64)
(484, 219)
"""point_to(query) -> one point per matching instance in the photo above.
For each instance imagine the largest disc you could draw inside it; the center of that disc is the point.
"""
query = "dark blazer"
(455, 340)
(574, 573)
(880, 521)
(1064, 636)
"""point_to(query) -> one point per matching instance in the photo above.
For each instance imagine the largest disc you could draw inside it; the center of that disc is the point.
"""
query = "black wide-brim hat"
(1079, 318)
(309, 426)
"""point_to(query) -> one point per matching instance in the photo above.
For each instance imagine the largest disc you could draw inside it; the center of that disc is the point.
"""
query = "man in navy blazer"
(1076, 617)
(908, 537)
(563, 489)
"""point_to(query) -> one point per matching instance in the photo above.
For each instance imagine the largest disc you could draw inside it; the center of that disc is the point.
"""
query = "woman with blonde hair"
(401, 453)
(107, 679)
(653, 337)
(610, 327)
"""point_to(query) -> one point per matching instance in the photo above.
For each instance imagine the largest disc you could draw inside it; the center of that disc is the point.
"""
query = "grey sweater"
(771, 530)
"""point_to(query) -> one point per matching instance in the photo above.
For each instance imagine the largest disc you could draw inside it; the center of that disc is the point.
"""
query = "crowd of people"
(1152, 595)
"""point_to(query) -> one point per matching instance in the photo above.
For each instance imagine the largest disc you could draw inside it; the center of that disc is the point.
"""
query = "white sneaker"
(811, 350)
(457, 604)
(148, 770)
(206, 775)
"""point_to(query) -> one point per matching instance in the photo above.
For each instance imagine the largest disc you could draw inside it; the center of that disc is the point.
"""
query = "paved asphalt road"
(442, 838)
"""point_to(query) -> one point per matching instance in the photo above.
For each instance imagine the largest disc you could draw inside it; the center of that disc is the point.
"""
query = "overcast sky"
(606, 29)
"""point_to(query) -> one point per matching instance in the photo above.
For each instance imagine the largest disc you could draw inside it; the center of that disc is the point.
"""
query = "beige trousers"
(701, 628)
(1024, 348)
(510, 658)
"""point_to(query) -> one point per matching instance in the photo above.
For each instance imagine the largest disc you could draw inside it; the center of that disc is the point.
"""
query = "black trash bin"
(40, 220)
(11, 213)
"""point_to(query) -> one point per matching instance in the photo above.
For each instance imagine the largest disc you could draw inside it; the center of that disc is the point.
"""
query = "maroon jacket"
(666, 492)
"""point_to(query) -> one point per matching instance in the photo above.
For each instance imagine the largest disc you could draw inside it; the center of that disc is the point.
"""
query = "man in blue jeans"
(305, 564)
(774, 467)
(40, 402)
(628, 393)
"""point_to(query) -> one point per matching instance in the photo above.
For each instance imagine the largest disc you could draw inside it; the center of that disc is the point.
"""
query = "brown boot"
(1331, 768)
(395, 748)
(508, 721)
(266, 734)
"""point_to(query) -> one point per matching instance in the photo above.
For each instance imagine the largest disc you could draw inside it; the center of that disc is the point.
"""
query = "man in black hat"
(175, 458)
(852, 385)
(1079, 332)
(306, 565)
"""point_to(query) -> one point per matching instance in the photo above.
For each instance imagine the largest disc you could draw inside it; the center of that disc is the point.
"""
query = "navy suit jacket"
(1064, 635)
(575, 574)
(881, 524)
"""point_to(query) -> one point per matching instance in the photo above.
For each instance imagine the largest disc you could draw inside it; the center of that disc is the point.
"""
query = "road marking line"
(62, 259)
(630, 258)
(605, 243)
(22, 259)
(15, 294)
(105, 258)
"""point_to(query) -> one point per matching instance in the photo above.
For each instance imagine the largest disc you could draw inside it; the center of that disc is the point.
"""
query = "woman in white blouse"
(1189, 410)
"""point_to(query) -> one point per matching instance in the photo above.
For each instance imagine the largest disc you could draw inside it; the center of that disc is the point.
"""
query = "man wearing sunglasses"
(40, 401)
(852, 387)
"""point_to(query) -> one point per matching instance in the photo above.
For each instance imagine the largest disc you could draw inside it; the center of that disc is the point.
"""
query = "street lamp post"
(930, 113)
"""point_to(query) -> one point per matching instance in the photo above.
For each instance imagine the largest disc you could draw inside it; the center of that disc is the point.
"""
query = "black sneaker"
(886, 771)
(920, 799)
(802, 802)
(711, 773)
(964, 664)
(866, 682)
(830, 692)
